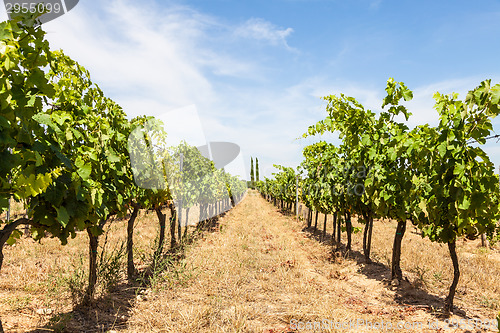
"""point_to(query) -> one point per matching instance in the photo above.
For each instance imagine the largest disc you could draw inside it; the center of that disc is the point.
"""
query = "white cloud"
(152, 60)
(266, 123)
(135, 51)
(260, 29)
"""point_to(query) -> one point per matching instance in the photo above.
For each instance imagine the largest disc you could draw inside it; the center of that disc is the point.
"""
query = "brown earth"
(260, 271)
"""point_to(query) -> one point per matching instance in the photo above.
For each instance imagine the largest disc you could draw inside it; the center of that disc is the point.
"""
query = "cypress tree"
(256, 169)
(252, 178)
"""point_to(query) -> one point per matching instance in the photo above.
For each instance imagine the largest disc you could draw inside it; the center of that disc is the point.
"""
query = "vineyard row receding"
(437, 178)
(75, 162)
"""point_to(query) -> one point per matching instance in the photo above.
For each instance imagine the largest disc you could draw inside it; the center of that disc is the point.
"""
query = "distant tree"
(256, 169)
(252, 175)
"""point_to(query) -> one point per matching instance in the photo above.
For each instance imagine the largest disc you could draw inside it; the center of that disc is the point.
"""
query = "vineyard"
(105, 226)
(74, 163)
(437, 178)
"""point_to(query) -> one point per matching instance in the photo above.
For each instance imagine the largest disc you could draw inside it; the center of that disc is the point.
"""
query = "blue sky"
(255, 70)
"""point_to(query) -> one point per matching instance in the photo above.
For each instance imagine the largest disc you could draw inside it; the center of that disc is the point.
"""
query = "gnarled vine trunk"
(173, 217)
(339, 228)
(396, 272)
(6, 232)
(309, 217)
(448, 303)
(179, 223)
(186, 224)
(131, 271)
(367, 235)
(324, 228)
(334, 225)
(316, 221)
(484, 240)
(348, 227)
(93, 244)
(161, 239)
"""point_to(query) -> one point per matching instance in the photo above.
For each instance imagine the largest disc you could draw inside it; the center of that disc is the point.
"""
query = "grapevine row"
(438, 178)
(66, 153)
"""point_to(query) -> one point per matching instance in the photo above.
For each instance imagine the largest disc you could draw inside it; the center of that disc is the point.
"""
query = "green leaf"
(459, 169)
(442, 149)
(495, 94)
(407, 94)
(62, 216)
(423, 206)
(84, 171)
(113, 158)
(43, 118)
(5, 31)
(80, 224)
(8, 63)
(4, 123)
(464, 204)
(14, 236)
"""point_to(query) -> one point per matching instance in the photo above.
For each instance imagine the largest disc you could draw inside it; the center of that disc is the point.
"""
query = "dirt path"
(261, 273)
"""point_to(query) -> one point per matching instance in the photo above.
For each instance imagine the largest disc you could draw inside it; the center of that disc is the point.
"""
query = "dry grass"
(428, 266)
(35, 277)
(257, 273)
(261, 271)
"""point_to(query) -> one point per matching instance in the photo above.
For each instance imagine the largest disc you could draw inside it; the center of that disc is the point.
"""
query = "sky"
(253, 72)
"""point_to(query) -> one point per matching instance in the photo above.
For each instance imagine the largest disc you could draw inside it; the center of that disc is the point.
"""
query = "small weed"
(421, 271)
(168, 273)
(157, 277)
(18, 302)
(180, 274)
(59, 322)
(77, 281)
(386, 258)
(492, 303)
(55, 284)
(110, 266)
(483, 250)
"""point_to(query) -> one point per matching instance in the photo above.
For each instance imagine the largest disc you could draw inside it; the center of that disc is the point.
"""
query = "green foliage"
(455, 182)
(282, 186)
(29, 161)
(256, 169)
(66, 152)
(436, 176)
(321, 187)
